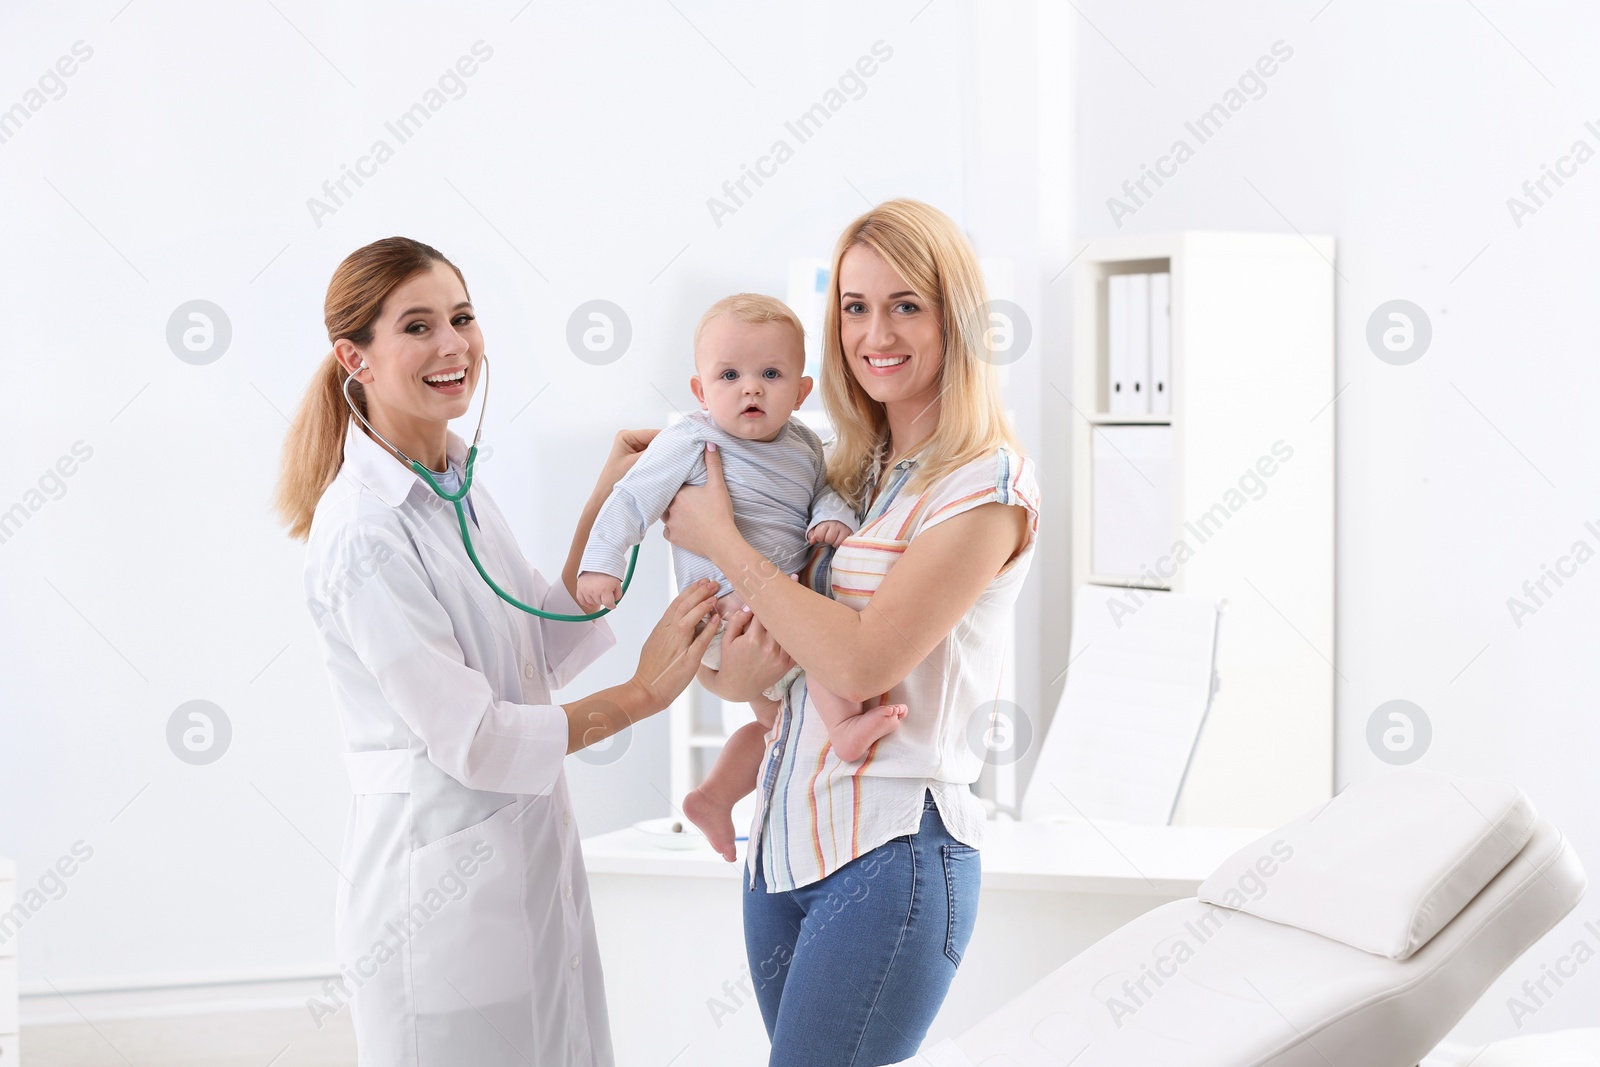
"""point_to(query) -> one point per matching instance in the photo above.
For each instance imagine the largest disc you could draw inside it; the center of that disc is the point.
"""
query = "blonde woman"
(463, 928)
(863, 876)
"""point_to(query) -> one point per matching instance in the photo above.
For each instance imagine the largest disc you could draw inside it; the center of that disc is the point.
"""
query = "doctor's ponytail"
(314, 449)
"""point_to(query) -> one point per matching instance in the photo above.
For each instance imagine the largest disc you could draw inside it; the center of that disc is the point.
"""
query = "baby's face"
(749, 376)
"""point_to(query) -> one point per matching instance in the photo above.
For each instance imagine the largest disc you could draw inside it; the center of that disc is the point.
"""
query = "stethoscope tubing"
(459, 495)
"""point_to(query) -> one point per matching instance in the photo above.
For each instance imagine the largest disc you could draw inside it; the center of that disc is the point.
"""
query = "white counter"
(672, 945)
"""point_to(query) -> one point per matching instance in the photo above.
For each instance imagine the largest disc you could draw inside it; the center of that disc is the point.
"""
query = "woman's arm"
(856, 654)
(860, 654)
(626, 448)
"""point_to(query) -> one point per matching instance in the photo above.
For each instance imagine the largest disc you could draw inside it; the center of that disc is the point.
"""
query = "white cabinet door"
(8, 996)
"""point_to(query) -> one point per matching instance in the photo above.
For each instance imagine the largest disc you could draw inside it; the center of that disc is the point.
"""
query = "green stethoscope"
(461, 514)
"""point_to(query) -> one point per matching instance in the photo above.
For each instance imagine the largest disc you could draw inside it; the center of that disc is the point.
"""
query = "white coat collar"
(376, 467)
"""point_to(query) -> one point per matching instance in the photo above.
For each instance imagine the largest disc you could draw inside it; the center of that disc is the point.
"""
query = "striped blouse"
(816, 812)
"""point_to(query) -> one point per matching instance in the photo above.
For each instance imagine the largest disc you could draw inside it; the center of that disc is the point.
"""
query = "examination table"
(1356, 935)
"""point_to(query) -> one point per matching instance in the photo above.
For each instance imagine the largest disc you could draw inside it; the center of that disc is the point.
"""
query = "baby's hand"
(596, 590)
(829, 531)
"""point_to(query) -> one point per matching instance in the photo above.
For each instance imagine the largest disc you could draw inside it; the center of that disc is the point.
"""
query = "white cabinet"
(9, 1044)
(1130, 497)
(8, 995)
(1222, 485)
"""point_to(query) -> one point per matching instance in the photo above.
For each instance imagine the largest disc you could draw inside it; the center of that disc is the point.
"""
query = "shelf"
(1125, 583)
(1105, 418)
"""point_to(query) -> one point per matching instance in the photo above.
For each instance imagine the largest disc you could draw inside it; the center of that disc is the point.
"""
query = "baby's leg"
(852, 729)
(732, 777)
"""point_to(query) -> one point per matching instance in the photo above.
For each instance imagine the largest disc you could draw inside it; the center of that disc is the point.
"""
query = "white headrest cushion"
(1384, 865)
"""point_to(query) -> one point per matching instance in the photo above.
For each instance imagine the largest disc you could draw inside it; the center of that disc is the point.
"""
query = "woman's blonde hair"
(928, 251)
(314, 449)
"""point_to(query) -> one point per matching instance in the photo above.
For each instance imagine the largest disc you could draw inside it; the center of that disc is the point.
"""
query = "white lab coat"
(462, 925)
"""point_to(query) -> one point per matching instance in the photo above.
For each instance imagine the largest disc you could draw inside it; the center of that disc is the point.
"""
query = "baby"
(749, 354)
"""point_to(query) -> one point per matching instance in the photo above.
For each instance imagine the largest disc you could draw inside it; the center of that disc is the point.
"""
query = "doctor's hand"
(700, 518)
(672, 652)
(751, 660)
(626, 448)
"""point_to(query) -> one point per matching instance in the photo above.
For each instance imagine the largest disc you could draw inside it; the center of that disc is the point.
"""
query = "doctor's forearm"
(595, 718)
(580, 540)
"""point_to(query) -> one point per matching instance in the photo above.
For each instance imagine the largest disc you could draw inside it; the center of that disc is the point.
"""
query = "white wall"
(176, 165)
(1402, 129)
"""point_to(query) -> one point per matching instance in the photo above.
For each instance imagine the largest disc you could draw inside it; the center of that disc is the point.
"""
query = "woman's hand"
(626, 448)
(672, 652)
(751, 660)
(701, 516)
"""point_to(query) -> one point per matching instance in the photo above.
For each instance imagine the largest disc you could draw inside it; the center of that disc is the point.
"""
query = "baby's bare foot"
(854, 738)
(714, 820)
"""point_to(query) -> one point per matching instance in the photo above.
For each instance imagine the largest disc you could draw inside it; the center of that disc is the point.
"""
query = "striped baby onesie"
(779, 489)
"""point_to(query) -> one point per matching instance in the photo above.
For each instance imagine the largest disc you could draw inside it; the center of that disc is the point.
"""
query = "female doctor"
(462, 922)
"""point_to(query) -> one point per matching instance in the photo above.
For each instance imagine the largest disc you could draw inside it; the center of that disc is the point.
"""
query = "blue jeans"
(851, 970)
